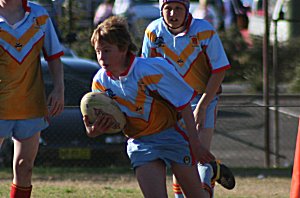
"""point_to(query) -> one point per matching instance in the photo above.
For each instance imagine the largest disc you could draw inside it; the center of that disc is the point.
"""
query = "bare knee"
(23, 169)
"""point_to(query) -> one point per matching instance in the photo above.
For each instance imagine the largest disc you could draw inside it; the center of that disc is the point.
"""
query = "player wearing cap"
(195, 50)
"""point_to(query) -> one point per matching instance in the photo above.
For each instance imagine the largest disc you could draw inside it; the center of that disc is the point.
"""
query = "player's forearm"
(212, 87)
(188, 117)
(202, 155)
(57, 74)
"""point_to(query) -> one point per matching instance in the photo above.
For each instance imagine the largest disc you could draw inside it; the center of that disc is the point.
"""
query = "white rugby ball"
(95, 103)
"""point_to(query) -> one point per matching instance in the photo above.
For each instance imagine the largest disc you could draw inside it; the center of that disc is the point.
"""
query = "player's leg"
(205, 170)
(209, 172)
(205, 137)
(189, 180)
(152, 179)
(26, 135)
(146, 155)
(177, 189)
(213, 171)
(25, 152)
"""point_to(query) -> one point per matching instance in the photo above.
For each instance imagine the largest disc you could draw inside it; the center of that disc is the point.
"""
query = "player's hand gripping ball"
(95, 103)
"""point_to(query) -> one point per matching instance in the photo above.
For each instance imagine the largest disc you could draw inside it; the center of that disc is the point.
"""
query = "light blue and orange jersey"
(139, 92)
(22, 94)
(195, 53)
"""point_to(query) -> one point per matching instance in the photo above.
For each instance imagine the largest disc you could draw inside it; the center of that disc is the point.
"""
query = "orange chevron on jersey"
(196, 53)
(20, 48)
(140, 97)
(98, 86)
(150, 35)
(137, 127)
(205, 35)
(198, 74)
(148, 95)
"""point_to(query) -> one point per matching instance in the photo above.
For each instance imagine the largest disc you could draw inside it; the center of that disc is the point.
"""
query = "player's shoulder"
(151, 60)
(100, 75)
(155, 25)
(152, 64)
(202, 24)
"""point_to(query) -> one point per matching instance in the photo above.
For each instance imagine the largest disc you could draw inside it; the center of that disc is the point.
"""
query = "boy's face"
(109, 56)
(174, 14)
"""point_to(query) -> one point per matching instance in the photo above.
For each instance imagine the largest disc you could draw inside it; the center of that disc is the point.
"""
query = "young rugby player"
(25, 31)
(160, 123)
(193, 47)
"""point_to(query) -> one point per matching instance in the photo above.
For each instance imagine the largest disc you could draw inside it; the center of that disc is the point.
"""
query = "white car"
(140, 13)
(282, 11)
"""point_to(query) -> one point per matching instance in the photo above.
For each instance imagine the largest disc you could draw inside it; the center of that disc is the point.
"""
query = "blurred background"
(259, 108)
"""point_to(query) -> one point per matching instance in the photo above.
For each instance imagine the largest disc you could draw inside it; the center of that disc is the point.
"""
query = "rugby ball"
(95, 103)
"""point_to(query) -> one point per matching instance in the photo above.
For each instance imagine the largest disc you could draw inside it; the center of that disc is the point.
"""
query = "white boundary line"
(282, 110)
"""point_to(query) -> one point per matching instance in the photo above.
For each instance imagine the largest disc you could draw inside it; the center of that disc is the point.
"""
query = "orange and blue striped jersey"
(150, 94)
(195, 53)
(22, 94)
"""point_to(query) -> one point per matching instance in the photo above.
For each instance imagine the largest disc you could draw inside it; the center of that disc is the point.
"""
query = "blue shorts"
(211, 111)
(22, 129)
(170, 145)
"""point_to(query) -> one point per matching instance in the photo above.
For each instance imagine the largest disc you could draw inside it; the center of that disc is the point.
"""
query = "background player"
(26, 29)
(195, 50)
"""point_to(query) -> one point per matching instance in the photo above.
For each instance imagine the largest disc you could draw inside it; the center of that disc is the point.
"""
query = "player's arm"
(202, 154)
(212, 87)
(219, 63)
(100, 126)
(146, 46)
(56, 97)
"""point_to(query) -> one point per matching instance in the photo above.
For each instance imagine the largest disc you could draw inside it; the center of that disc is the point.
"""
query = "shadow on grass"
(92, 173)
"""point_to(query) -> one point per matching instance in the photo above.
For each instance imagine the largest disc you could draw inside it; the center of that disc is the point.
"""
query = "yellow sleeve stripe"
(205, 35)
(98, 86)
(150, 35)
(141, 96)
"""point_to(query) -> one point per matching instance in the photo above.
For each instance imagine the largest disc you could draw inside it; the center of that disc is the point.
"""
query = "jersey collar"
(26, 5)
(188, 25)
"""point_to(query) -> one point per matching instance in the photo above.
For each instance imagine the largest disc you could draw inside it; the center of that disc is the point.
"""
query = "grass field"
(119, 182)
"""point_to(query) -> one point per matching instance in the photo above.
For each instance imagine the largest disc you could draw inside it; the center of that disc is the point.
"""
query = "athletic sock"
(206, 173)
(177, 191)
(20, 192)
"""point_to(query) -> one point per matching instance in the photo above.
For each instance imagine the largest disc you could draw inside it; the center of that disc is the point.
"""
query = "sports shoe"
(222, 175)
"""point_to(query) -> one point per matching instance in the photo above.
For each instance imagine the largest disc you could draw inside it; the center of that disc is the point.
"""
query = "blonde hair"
(114, 30)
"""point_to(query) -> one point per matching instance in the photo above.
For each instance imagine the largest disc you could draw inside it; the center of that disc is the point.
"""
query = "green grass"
(117, 182)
